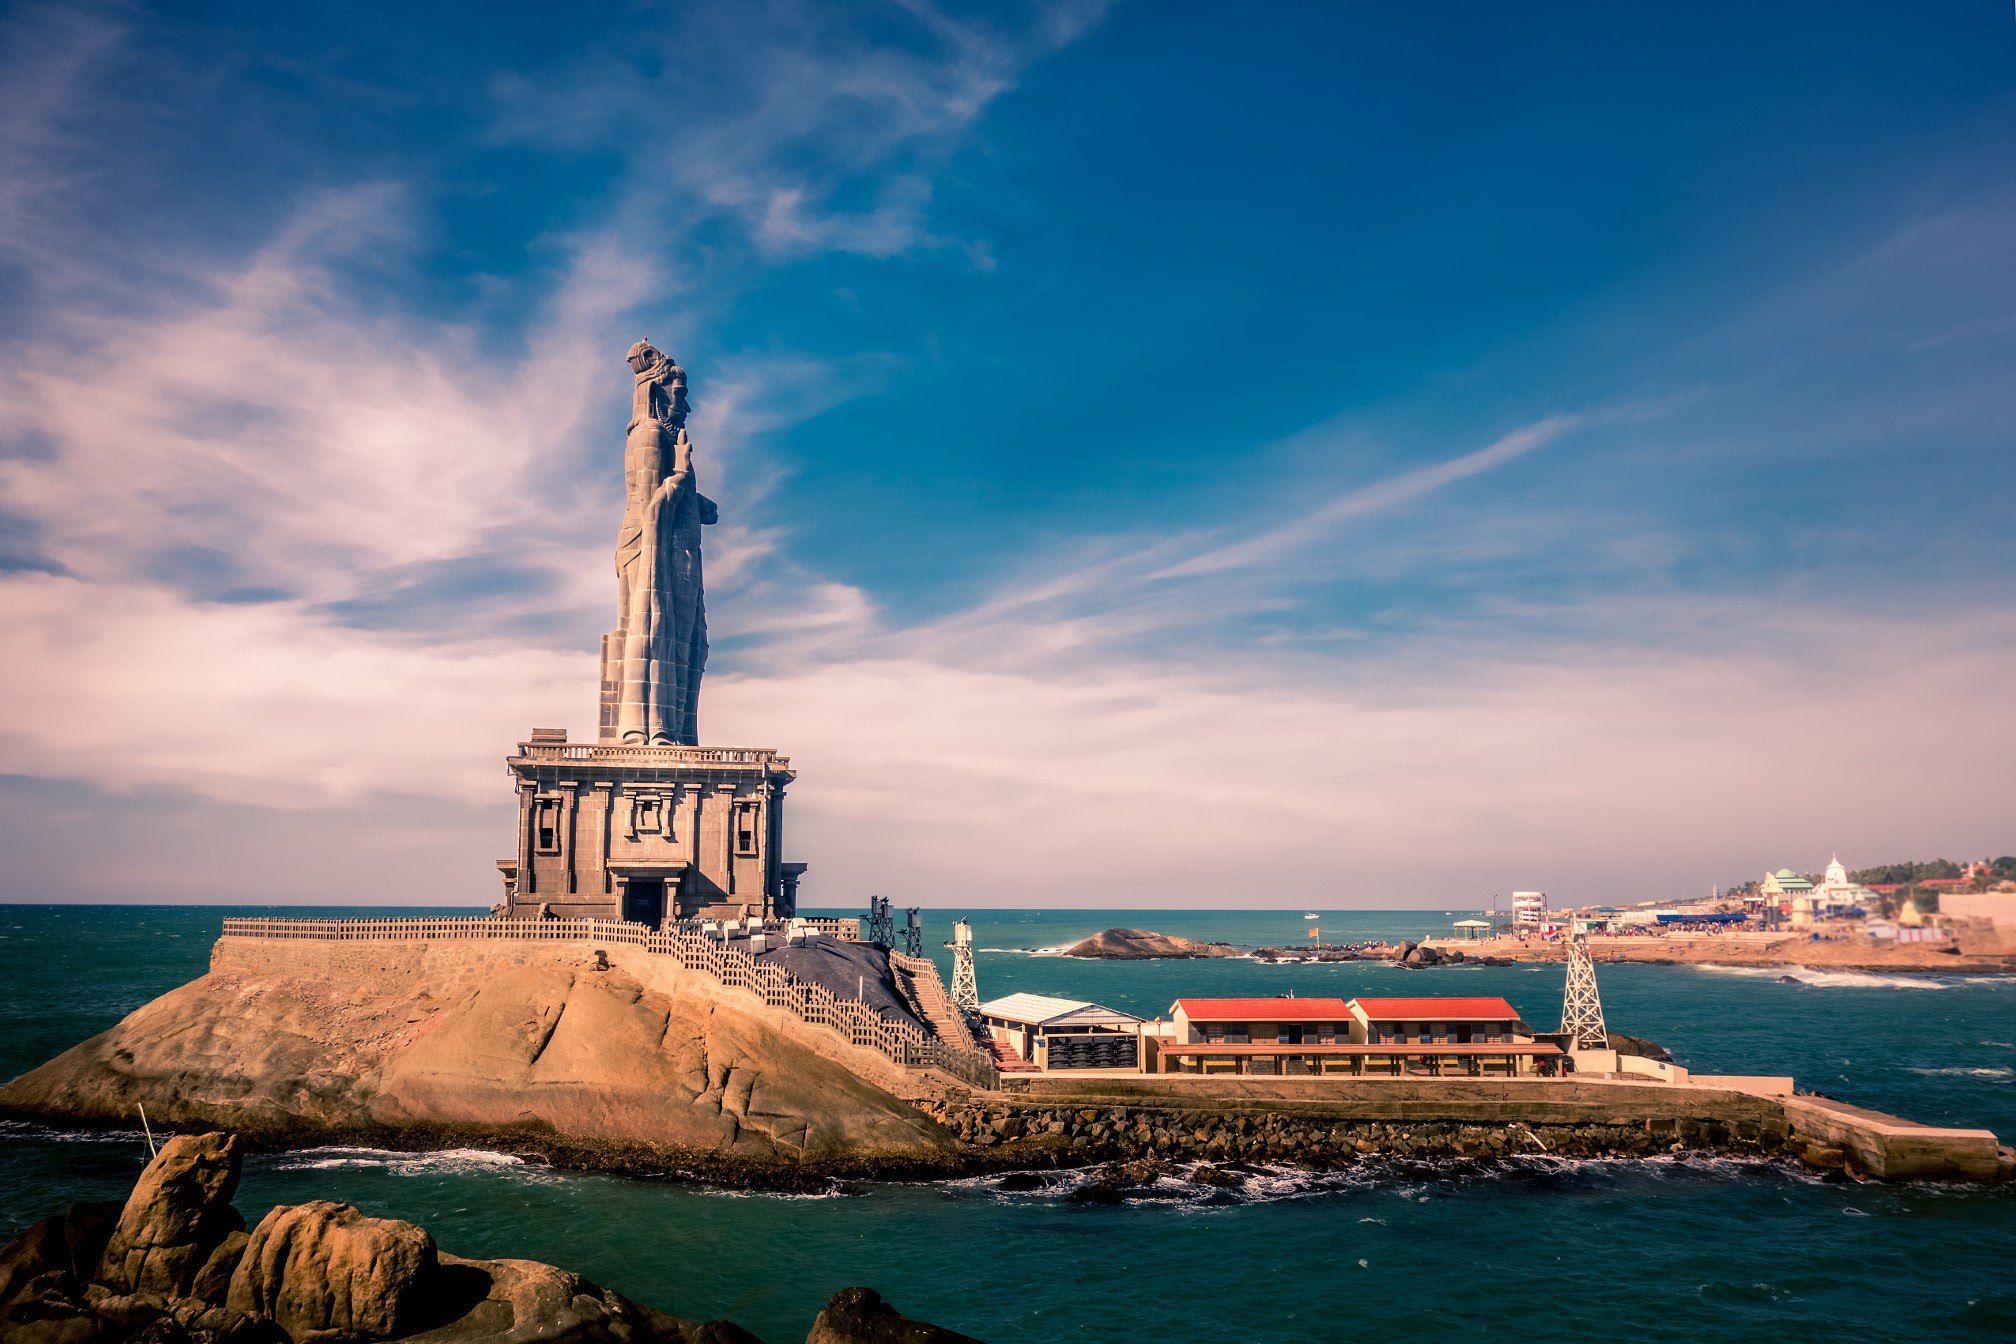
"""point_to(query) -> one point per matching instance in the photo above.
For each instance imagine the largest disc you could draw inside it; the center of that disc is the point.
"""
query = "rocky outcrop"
(1638, 1046)
(1415, 956)
(544, 1052)
(1141, 945)
(177, 1217)
(325, 1273)
(860, 1316)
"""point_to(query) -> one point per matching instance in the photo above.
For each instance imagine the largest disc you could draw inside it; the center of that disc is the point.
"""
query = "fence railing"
(854, 1021)
(617, 754)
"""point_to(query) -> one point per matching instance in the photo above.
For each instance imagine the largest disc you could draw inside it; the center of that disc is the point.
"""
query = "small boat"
(1312, 916)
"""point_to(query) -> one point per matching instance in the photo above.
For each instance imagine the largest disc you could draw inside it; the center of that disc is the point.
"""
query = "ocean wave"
(835, 1190)
(2003, 1071)
(1414, 1179)
(30, 1131)
(444, 1162)
(1029, 951)
(1819, 979)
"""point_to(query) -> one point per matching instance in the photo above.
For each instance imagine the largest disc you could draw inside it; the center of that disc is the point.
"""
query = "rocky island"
(175, 1264)
(1141, 945)
(636, 1065)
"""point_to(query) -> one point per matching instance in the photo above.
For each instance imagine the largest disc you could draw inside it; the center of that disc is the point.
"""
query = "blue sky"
(1323, 454)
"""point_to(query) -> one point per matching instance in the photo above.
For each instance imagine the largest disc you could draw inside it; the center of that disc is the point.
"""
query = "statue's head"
(645, 355)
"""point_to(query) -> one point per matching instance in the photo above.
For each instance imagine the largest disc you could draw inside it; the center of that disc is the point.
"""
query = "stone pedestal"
(648, 833)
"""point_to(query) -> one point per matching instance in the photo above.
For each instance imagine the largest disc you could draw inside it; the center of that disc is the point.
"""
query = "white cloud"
(261, 419)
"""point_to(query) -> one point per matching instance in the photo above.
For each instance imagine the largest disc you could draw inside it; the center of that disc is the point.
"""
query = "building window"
(650, 815)
(746, 815)
(546, 825)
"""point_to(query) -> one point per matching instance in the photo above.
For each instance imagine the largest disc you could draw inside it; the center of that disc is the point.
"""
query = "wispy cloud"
(1358, 503)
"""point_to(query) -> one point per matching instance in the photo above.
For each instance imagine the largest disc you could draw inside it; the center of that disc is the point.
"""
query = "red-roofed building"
(1281, 1008)
(1393, 1037)
(1435, 1021)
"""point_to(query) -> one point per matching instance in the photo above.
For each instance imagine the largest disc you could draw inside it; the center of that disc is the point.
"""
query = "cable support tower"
(913, 933)
(1581, 1007)
(965, 989)
(881, 923)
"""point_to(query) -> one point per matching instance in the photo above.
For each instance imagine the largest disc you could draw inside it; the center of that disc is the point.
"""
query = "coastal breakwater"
(1327, 1123)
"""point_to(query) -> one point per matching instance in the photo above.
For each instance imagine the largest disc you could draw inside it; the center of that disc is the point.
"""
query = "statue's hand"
(709, 512)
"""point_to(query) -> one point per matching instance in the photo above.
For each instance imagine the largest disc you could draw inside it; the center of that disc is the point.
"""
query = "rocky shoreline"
(176, 1264)
(1789, 954)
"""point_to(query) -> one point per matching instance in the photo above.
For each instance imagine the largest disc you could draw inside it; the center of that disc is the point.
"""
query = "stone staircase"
(916, 979)
(1005, 1058)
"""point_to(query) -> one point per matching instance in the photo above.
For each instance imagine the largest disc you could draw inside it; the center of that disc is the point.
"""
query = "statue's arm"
(709, 511)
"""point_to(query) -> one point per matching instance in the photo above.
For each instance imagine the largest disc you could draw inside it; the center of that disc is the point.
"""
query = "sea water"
(1533, 1249)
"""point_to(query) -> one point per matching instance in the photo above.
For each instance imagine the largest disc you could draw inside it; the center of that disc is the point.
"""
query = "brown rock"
(544, 1047)
(860, 1316)
(324, 1271)
(177, 1214)
(526, 1302)
(1142, 945)
(38, 1252)
(212, 1282)
(50, 1309)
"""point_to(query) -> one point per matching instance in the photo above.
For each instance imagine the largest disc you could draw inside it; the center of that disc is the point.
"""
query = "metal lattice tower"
(913, 933)
(1581, 1008)
(881, 923)
(965, 989)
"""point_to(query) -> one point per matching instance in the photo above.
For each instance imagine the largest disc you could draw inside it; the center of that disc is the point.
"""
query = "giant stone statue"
(652, 660)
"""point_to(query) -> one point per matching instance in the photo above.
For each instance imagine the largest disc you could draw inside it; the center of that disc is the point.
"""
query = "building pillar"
(528, 880)
(570, 807)
(725, 793)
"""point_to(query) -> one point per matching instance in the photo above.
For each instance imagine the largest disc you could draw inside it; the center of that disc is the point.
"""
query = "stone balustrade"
(617, 754)
(853, 1020)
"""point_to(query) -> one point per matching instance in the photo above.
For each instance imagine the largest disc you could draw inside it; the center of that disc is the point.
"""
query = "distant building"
(1778, 891)
(1529, 908)
(1836, 894)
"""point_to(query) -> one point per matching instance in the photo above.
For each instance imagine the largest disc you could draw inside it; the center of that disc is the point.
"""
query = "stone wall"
(1076, 1135)
(1325, 1123)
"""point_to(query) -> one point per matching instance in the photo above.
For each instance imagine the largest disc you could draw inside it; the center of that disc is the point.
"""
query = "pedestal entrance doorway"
(644, 901)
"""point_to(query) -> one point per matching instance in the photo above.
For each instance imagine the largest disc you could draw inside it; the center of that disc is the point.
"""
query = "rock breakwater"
(1039, 1135)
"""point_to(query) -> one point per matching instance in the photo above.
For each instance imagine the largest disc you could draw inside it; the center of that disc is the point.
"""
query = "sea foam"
(1819, 979)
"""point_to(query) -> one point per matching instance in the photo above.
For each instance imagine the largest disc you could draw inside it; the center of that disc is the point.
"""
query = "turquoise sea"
(1537, 1249)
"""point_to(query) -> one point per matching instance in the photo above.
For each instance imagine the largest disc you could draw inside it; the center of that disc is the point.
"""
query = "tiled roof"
(1282, 1008)
(1436, 1010)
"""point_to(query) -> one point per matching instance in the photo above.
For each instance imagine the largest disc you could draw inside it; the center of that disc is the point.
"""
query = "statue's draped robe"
(655, 656)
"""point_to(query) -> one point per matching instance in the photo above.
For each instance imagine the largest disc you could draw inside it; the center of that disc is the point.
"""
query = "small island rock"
(1142, 945)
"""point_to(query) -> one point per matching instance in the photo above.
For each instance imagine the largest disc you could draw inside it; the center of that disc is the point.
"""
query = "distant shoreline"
(1745, 950)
